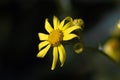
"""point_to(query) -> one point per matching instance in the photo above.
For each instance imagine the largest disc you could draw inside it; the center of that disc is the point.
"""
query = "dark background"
(20, 22)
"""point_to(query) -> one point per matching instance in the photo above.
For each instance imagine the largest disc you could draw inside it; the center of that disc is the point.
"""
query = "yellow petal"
(63, 21)
(69, 30)
(43, 52)
(43, 44)
(48, 27)
(55, 58)
(43, 36)
(69, 37)
(67, 25)
(62, 54)
(56, 22)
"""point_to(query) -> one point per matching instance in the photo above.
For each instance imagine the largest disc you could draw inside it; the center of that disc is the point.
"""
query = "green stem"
(100, 51)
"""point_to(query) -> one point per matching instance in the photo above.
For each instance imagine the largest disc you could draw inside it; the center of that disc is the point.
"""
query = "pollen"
(55, 37)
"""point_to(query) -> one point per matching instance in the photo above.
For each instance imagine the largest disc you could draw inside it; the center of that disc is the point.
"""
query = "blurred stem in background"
(111, 47)
(64, 7)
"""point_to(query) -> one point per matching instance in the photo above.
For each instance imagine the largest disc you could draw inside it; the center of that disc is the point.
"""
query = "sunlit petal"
(69, 37)
(42, 44)
(56, 22)
(63, 21)
(69, 30)
(43, 52)
(62, 54)
(55, 58)
(43, 36)
(48, 27)
(67, 25)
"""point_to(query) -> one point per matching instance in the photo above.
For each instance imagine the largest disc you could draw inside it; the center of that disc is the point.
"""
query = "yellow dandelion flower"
(60, 31)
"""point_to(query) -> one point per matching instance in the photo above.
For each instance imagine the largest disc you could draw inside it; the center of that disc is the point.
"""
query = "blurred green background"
(20, 22)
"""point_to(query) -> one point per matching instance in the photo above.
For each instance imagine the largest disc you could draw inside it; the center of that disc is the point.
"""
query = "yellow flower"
(112, 49)
(61, 32)
(78, 22)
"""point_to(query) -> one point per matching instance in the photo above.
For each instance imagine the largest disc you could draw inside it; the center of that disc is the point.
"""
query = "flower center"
(55, 37)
